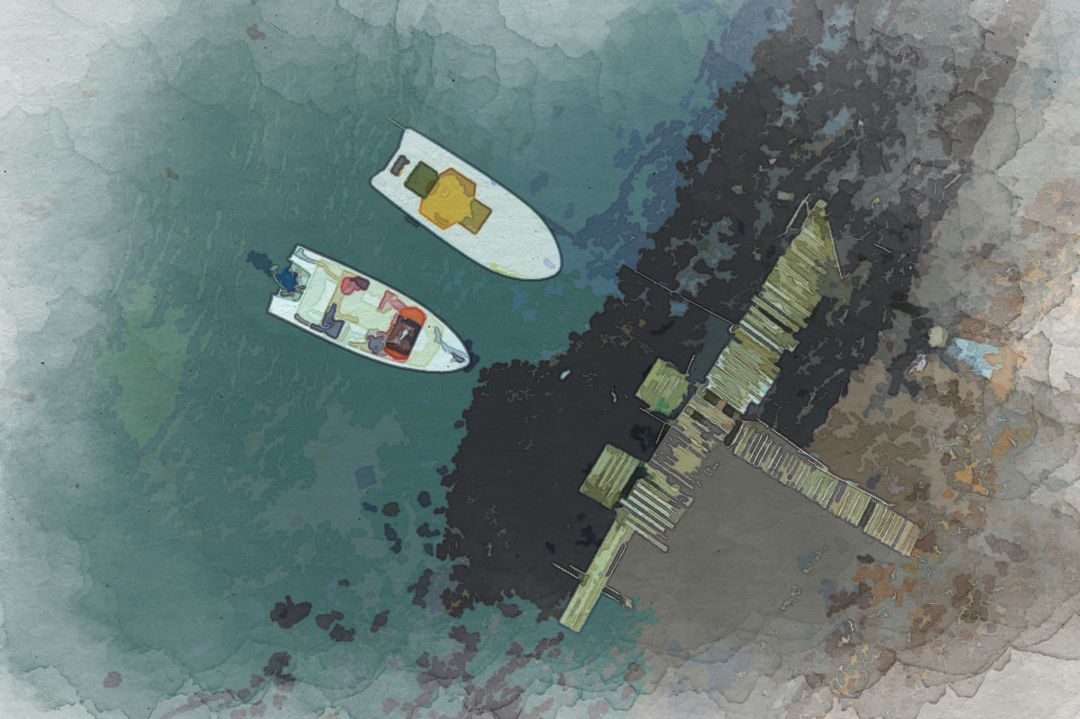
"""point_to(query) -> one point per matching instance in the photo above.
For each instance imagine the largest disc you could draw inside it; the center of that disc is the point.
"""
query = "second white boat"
(468, 210)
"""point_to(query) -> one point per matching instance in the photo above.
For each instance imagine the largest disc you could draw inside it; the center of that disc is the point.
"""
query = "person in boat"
(347, 286)
(398, 340)
(391, 300)
(332, 322)
(376, 343)
(353, 283)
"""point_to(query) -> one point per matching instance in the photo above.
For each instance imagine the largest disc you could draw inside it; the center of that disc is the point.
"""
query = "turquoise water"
(192, 461)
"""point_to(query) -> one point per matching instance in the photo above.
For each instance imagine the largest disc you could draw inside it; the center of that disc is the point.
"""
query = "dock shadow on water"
(835, 108)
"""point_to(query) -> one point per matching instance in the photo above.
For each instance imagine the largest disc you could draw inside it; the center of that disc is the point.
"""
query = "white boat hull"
(513, 241)
(436, 347)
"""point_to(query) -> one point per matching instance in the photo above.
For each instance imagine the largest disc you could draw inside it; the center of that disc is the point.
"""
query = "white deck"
(514, 241)
(361, 315)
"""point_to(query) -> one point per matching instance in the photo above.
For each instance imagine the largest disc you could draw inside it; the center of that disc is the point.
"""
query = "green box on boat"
(422, 179)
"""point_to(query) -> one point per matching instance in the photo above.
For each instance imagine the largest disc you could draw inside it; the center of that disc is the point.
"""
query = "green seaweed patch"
(145, 366)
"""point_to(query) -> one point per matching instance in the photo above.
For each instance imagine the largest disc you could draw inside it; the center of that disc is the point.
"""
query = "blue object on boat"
(330, 326)
(287, 279)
